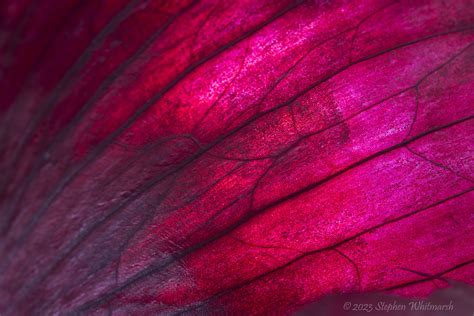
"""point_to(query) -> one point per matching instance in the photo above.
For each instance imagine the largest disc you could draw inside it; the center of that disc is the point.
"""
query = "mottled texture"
(232, 157)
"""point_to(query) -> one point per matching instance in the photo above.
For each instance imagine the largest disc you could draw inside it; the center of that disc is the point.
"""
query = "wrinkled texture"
(239, 157)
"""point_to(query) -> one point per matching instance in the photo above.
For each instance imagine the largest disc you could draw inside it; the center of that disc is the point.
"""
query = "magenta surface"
(232, 157)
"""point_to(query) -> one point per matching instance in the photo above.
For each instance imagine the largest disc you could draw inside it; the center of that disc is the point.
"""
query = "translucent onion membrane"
(232, 157)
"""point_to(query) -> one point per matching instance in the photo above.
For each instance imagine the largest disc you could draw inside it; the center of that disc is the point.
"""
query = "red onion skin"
(244, 157)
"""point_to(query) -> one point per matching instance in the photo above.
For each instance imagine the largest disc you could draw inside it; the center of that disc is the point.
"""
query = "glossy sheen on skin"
(232, 157)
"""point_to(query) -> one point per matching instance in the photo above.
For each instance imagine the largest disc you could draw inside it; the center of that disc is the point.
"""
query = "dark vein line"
(147, 150)
(149, 216)
(257, 183)
(263, 247)
(436, 276)
(209, 221)
(357, 27)
(219, 98)
(303, 137)
(439, 165)
(293, 120)
(433, 278)
(295, 143)
(363, 161)
(53, 97)
(396, 219)
(342, 69)
(145, 272)
(415, 112)
(356, 268)
(202, 25)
